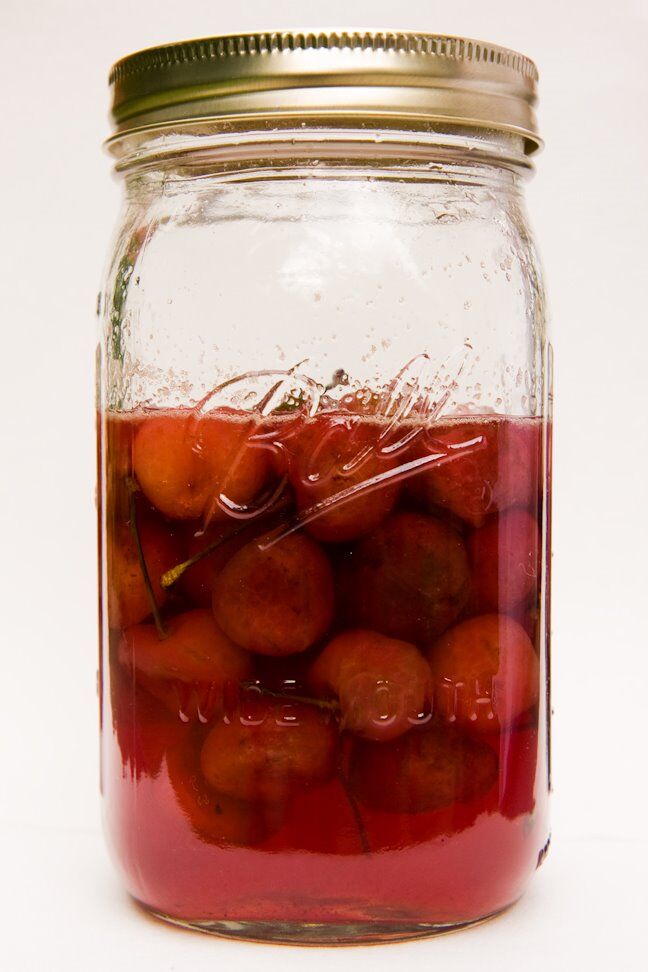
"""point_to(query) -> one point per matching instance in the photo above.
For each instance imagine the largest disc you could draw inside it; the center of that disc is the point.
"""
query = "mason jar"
(324, 414)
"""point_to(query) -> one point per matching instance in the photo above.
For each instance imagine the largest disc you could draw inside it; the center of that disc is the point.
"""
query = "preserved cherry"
(504, 557)
(493, 465)
(193, 466)
(275, 596)
(213, 816)
(429, 768)
(192, 652)
(341, 477)
(270, 753)
(384, 686)
(486, 672)
(409, 579)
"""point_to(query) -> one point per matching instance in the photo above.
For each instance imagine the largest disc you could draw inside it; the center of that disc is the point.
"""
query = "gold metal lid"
(371, 77)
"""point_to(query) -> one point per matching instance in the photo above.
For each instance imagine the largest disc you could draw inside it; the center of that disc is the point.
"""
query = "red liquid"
(343, 721)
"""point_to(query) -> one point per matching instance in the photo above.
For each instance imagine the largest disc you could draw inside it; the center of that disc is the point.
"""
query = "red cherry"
(334, 457)
(504, 557)
(191, 465)
(171, 465)
(486, 672)
(494, 466)
(128, 599)
(428, 768)
(384, 685)
(191, 668)
(408, 579)
(239, 468)
(278, 599)
(271, 750)
(214, 817)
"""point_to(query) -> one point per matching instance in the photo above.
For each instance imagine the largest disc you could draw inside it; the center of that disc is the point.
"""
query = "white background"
(63, 907)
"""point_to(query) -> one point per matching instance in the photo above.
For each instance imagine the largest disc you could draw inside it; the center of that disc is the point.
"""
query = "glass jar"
(324, 422)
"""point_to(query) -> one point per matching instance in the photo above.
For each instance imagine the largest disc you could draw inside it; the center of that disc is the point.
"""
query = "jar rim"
(366, 78)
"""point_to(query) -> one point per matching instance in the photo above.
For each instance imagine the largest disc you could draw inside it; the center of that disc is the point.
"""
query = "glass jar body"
(325, 365)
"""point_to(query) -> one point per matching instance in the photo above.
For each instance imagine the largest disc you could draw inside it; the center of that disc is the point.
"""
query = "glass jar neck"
(448, 154)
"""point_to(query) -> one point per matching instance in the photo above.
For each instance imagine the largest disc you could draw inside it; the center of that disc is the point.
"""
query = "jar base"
(324, 933)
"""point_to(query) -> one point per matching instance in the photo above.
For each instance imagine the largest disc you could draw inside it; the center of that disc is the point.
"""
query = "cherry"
(428, 768)
(275, 599)
(335, 455)
(214, 817)
(495, 466)
(269, 750)
(240, 469)
(189, 669)
(486, 673)
(384, 685)
(408, 579)
(504, 558)
(171, 465)
(128, 599)
(191, 465)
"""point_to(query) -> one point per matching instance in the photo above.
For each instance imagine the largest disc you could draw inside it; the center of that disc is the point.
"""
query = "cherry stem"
(133, 488)
(329, 704)
(170, 577)
(355, 809)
